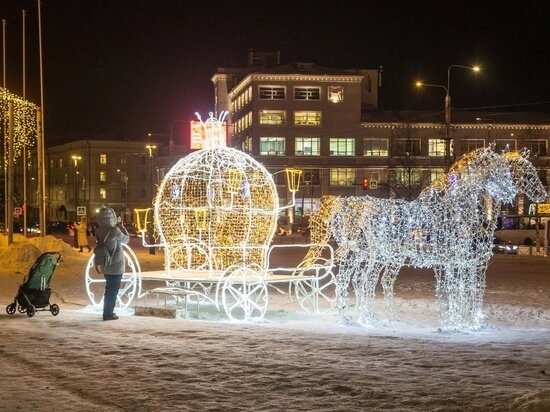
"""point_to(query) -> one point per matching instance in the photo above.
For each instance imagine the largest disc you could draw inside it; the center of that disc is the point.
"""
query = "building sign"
(81, 210)
(198, 135)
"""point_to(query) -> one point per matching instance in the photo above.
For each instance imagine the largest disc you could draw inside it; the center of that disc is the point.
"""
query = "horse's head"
(483, 170)
(525, 175)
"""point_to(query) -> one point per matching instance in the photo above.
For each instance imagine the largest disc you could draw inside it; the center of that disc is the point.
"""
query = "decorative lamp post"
(448, 105)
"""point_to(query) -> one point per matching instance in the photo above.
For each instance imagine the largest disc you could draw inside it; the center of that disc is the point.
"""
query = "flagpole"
(24, 146)
(40, 137)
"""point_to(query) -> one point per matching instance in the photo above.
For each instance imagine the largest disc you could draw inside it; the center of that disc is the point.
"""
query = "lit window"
(375, 147)
(103, 193)
(272, 117)
(61, 163)
(102, 176)
(307, 146)
(409, 176)
(471, 144)
(409, 147)
(271, 92)
(303, 118)
(373, 175)
(307, 93)
(436, 147)
(103, 159)
(342, 177)
(272, 146)
(342, 146)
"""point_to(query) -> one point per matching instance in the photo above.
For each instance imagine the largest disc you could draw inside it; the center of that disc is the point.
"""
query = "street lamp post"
(150, 148)
(448, 106)
(124, 178)
(75, 159)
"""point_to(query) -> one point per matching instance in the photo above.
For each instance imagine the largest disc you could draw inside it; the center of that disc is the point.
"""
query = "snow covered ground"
(292, 361)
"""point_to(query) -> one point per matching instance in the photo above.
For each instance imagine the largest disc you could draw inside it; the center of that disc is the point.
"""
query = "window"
(272, 146)
(307, 93)
(272, 117)
(303, 118)
(60, 163)
(436, 147)
(374, 175)
(243, 123)
(342, 146)
(409, 147)
(342, 177)
(123, 160)
(537, 147)
(409, 176)
(310, 177)
(102, 176)
(271, 92)
(505, 144)
(103, 193)
(471, 144)
(375, 147)
(436, 174)
(103, 159)
(307, 146)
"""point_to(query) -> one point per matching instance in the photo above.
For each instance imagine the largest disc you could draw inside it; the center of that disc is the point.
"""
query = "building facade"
(326, 123)
(84, 175)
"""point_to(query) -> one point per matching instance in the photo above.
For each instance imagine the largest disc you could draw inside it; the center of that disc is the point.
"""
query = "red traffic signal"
(365, 183)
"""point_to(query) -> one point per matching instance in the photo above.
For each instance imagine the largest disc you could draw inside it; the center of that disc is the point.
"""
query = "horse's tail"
(319, 228)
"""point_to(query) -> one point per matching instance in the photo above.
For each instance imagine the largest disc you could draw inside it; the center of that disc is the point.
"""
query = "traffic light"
(365, 183)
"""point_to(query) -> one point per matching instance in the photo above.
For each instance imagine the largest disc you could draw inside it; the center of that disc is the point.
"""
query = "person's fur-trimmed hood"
(106, 217)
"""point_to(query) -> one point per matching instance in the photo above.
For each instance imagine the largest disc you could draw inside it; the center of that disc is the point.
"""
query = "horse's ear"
(525, 152)
(492, 146)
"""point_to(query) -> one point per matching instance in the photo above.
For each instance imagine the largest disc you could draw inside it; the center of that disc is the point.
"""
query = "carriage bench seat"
(181, 295)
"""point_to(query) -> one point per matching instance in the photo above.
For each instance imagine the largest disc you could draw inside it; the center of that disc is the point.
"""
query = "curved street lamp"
(448, 104)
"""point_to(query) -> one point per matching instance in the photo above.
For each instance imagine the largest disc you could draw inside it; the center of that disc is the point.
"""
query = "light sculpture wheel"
(244, 292)
(130, 285)
(315, 295)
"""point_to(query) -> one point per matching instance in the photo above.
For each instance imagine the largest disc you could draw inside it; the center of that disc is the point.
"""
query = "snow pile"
(22, 253)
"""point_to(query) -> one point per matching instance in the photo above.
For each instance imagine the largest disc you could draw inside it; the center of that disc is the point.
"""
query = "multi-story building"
(84, 175)
(326, 123)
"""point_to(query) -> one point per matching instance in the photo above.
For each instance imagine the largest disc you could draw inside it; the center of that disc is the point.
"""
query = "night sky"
(123, 68)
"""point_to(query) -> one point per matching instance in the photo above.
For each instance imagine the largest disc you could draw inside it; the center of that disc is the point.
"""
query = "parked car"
(506, 248)
(59, 227)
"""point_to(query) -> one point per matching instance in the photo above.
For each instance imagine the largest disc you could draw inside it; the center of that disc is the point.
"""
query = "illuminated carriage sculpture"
(216, 214)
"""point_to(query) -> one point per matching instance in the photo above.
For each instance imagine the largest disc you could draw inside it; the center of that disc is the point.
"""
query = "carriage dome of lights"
(216, 207)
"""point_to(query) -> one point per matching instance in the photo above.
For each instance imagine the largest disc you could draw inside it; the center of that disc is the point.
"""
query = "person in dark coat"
(113, 237)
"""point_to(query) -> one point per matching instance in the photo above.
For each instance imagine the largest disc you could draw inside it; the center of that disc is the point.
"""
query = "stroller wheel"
(21, 309)
(54, 309)
(10, 309)
(30, 311)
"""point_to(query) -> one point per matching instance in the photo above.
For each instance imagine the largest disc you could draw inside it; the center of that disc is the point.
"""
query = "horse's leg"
(368, 290)
(342, 280)
(388, 281)
(477, 293)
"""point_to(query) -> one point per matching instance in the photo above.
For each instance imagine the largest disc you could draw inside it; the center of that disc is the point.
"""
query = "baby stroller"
(34, 292)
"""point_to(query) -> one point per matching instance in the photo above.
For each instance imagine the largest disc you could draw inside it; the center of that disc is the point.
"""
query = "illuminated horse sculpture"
(449, 228)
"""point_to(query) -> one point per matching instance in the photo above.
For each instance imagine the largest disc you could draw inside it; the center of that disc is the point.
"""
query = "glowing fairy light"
(449, 227)
(24, 122)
